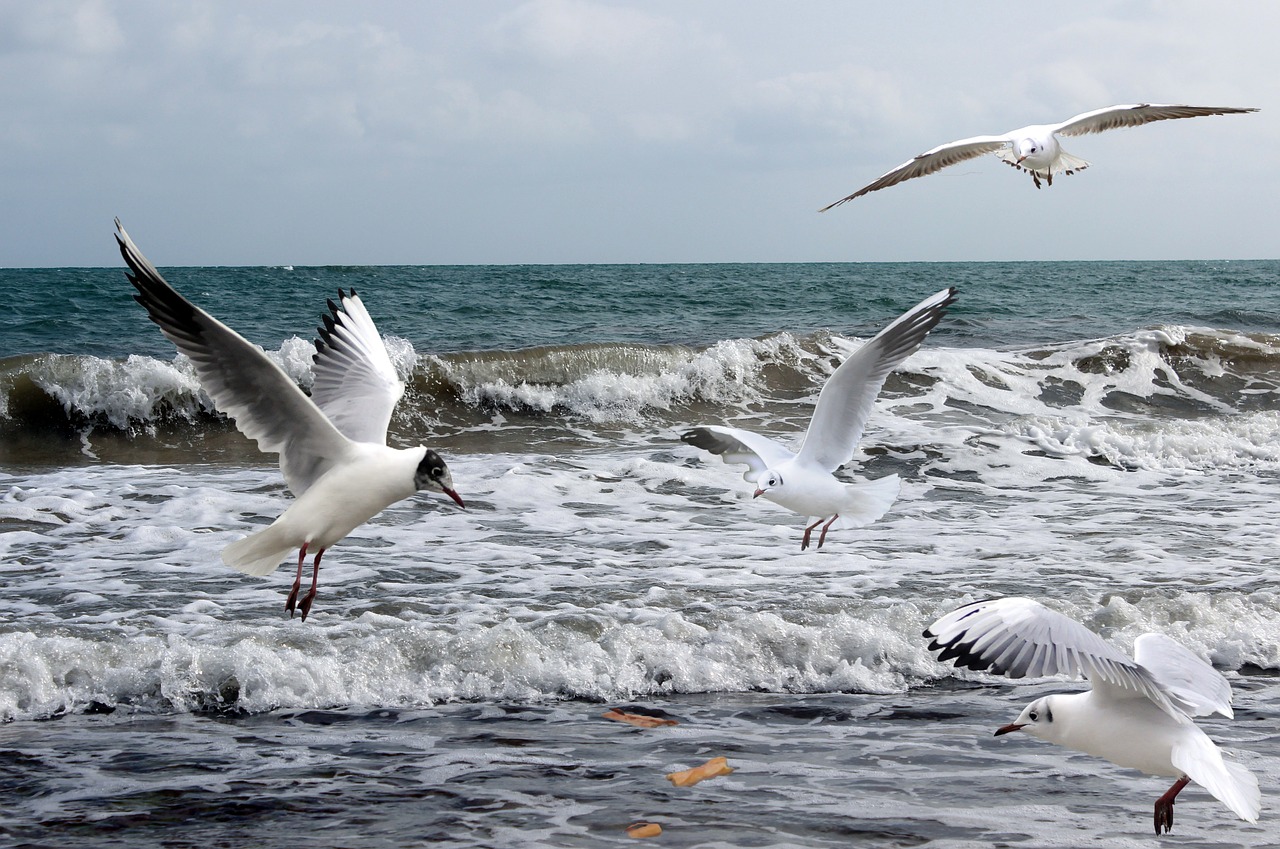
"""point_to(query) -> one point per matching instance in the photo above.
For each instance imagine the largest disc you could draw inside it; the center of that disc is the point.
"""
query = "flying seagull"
(332, 445)
(1139, 713)
(1035, 149)
(803, 482)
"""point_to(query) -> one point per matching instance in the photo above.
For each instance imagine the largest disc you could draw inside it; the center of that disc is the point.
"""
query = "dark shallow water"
(916, 769)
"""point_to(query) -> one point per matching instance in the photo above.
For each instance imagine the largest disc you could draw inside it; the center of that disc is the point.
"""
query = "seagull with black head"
(332, 445)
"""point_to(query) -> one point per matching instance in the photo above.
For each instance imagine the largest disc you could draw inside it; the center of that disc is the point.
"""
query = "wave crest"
(646, 652)
(618, 382)
(1167, 396)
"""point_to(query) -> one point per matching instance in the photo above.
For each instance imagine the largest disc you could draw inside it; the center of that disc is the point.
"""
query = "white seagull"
(1139, 713)
(1035, 148)
(803, 482)
(332, 446)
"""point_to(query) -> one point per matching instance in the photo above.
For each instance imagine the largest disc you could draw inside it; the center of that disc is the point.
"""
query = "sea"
(1101, 436)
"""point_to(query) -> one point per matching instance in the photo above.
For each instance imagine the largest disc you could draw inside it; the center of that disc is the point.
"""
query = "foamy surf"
(574, 597)
(1092, 435)
(1172, 375)
(391, 658)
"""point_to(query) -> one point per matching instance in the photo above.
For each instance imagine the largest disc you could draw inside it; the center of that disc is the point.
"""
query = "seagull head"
(767, 482)
(1036, 719)
(1024, 148)
(433, 475)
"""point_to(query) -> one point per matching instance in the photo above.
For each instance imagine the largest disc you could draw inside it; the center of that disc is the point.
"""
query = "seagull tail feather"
(1229, 783)
(1068, 164)
(258, 554)
(867, 501)
(1247, 801)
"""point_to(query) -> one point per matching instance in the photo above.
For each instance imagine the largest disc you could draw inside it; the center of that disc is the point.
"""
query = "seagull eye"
(1032, 716)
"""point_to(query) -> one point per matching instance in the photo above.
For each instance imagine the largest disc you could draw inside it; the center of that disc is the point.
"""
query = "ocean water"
(1104, 437)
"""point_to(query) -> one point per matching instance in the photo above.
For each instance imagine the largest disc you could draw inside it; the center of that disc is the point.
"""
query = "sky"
(325, 132)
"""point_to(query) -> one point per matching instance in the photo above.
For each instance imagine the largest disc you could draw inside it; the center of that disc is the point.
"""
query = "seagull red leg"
(292, 602)
(822, 537)
(305, 607)
(804, 543)
(1164, 805)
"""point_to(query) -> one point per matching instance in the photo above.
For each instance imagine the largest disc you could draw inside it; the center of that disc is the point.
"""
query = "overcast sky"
(329, 132)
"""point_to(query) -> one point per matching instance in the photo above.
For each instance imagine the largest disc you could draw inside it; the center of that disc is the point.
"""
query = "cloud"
(81, 27)
(567, 33)
(459, 112)
(836, 108)
(636, 77)
(274, 118)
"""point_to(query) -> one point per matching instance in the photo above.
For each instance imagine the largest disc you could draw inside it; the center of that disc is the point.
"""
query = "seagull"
(332, 446)
(1035, 149)
(1139, 714)
(803, 482)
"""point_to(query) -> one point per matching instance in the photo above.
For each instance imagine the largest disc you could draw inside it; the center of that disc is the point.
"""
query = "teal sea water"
(494, 308)
(1104, 437)
(583, 343)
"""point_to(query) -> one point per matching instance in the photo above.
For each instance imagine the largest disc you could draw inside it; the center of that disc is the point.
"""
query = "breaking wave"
(1166, 396)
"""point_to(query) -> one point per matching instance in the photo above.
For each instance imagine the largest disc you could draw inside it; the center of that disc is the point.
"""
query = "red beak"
(758, 493)
(454, 496)
(1005, 729)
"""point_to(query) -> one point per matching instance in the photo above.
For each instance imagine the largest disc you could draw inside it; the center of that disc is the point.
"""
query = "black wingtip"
(325, 332)
(952, 292)
(700, 437)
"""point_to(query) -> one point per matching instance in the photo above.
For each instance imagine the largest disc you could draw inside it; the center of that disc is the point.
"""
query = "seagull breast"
(1133, 732)
(351, 493)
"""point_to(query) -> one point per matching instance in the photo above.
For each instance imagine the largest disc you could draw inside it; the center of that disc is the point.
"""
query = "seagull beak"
(1022, 157)
(454, 495)
(1005, 729)
(757, 493)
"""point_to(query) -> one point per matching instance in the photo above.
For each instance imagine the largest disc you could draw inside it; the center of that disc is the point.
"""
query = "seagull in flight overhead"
(803, 482)
(332, 446)
(1036, 149)
(1140, 712)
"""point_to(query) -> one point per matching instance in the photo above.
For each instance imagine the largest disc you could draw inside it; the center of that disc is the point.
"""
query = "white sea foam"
(607, 574)
(622, 383)
(1066, 399)
(133, 390)
(124, 393)
(638, 566)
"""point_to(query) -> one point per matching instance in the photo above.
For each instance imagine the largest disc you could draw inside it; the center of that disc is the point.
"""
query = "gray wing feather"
(928, 162)
(1137, 114)
(849, 395)
(245, 384)
(1184, 674)
(1021, 638)
(739, 446)
(356, 387)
